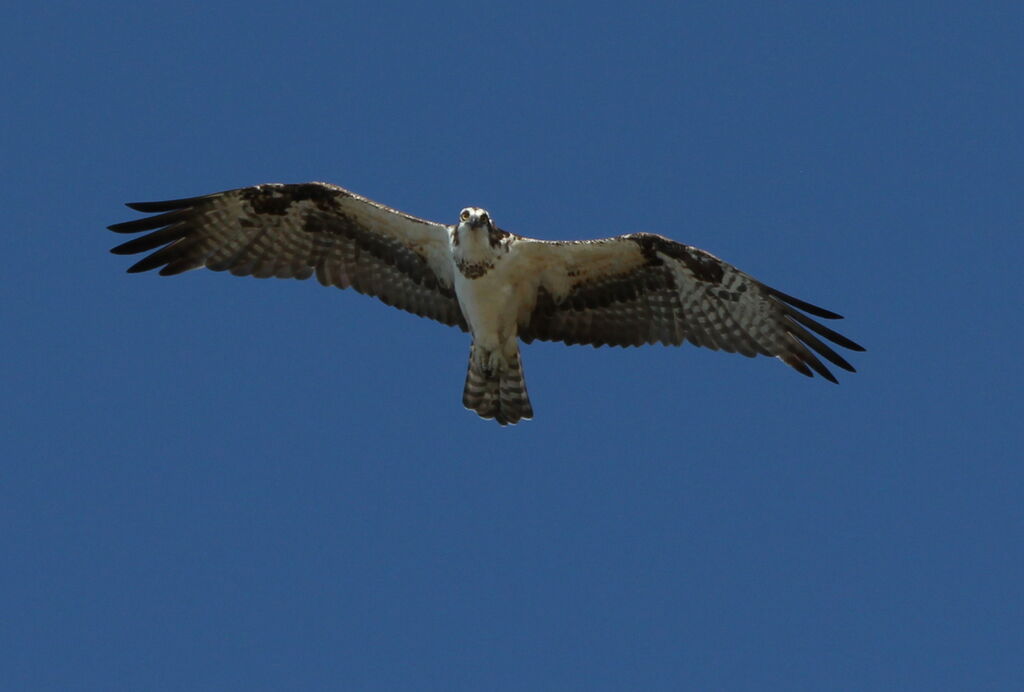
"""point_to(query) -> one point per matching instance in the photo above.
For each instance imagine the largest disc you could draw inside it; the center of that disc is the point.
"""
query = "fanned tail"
(495, 387)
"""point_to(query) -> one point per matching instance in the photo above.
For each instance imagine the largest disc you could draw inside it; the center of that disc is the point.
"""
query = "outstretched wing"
(295, 231)
(644, 288)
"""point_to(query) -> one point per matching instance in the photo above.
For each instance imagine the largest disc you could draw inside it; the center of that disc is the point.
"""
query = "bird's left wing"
(644, 288)
(297, 230)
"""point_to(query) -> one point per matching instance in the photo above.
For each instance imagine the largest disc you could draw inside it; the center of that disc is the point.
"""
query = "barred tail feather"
(495, 387)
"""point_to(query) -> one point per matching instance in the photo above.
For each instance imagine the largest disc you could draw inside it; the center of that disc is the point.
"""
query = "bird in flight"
(500, 287)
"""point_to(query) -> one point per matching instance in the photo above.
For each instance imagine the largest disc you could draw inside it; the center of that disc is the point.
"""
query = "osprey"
(500, 287)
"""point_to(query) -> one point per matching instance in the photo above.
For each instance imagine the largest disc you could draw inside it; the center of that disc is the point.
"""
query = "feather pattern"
(623, 291)
(656, 290)
(296, 231)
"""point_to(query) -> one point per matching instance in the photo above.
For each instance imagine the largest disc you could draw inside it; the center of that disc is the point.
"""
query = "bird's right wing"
(297, 230)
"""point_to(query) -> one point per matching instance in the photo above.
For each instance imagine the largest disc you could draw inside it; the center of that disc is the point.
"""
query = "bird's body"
(489, 280)
(492, 282)
(500, 287)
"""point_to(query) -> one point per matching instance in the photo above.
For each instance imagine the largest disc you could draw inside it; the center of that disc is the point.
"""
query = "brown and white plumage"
(623, 291)
(296, 231)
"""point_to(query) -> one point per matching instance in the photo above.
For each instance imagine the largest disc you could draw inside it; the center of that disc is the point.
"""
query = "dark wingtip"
(126, 226)
(809, 308)
(149, 207)
(820, 368)
(821, 329)
(167, 204)
(802, 359)
(145, 264)
(149, 223)
(797, 365)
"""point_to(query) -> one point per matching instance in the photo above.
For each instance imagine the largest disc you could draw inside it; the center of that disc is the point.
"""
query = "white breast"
(490, 302)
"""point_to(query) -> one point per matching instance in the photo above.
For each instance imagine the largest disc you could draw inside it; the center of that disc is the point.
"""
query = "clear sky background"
(214, 483)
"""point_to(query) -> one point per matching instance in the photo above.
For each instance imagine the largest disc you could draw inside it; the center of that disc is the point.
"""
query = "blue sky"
(221, 483)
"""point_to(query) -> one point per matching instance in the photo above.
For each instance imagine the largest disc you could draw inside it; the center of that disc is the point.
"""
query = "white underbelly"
(489, 305)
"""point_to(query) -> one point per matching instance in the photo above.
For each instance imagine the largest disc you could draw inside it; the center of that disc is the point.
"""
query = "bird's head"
(475, 218)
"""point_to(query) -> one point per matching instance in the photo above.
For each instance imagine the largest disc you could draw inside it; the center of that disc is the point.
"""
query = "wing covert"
(644, 288)
(296, 231)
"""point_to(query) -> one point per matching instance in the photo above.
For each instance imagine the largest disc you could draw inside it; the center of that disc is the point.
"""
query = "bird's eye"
(485, 218)
(464, 215)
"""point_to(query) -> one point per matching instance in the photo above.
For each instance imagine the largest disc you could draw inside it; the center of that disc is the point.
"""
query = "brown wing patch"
(679, 293)
(295, 231)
